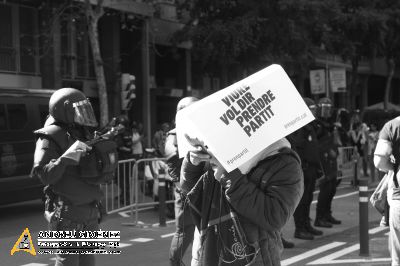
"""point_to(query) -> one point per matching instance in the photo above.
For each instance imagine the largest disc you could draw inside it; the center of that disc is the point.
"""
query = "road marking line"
(387, 234)
(340, 196)
(168, 222)
(352, 261)
(127, 213)
(329, 258)
(141, 240)
(311, 253)
(167, 235)
(124, 245)
(377, 230)
(35, 264)
(124, 214)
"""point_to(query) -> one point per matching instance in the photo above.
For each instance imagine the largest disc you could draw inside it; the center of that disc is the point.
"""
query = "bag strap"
(396, 183)
(257, 173)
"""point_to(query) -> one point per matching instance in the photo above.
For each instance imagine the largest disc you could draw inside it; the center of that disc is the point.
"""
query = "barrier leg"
(363, 217)
(161, 197)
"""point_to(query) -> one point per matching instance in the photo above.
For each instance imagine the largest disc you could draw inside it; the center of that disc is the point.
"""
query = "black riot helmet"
(122, 120)
(311, 105)
(325, 107)
(70, 106)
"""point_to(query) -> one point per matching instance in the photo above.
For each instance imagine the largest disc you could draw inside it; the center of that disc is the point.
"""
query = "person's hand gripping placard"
(200, 154)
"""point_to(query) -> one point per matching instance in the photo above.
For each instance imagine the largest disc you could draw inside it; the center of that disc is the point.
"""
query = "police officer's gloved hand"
(74, 153)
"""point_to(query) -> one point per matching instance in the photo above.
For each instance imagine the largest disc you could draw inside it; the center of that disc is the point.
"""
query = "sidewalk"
(345, 208)
(345, 236)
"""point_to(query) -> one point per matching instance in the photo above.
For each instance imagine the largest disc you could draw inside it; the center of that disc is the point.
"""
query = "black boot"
(332, 220)
(303, 234)
(287, 244)
(322, 222)
(313, 231)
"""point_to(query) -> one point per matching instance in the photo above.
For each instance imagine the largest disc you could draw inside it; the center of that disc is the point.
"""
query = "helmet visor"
(325, 110)
(313, 108)
(84, 114)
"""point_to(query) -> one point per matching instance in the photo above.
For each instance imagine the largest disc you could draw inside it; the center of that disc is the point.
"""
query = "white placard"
(238, 122)
(317, 81)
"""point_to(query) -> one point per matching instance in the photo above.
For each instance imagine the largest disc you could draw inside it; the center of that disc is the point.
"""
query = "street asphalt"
(148, 244)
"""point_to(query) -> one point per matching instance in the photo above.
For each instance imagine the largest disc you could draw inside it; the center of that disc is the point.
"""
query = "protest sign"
(238, 122)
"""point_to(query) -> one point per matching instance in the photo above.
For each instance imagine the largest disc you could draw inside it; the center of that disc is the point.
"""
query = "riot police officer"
(124, 138)
(124, 144)
(72, 203)
(328, 154)
(304, 142)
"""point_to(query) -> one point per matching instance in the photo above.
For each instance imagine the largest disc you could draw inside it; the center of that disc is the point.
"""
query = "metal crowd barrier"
(129, 178)
(117, 193)
(347, 164)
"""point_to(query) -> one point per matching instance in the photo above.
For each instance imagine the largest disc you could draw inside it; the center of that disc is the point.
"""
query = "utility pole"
(146, 86)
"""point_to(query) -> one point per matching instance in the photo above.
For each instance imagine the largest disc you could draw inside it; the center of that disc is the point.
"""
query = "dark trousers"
(302, 212)
(79, 218)
(327, 191)
(184, 231)
(123, 179)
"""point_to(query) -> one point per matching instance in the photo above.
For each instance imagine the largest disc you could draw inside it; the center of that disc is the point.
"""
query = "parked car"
(21, 112)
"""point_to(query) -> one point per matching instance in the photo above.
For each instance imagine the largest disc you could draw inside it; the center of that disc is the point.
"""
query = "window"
(7, 50)
(18, 44)
(17, 116)
(3, 117)
(27, 39)
(13, 116)
(43, 112)
(75, 46)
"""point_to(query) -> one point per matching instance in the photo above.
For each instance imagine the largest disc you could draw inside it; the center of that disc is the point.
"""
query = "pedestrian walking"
(183, 220)
(373, 136)
(387, 158)
(358, 136)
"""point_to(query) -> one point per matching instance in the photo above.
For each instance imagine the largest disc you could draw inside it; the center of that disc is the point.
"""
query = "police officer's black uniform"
(124, 144)
(328, 154)
(72, 203)
(305, 142)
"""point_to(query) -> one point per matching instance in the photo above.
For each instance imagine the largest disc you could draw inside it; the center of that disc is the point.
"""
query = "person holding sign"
(240, 214)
